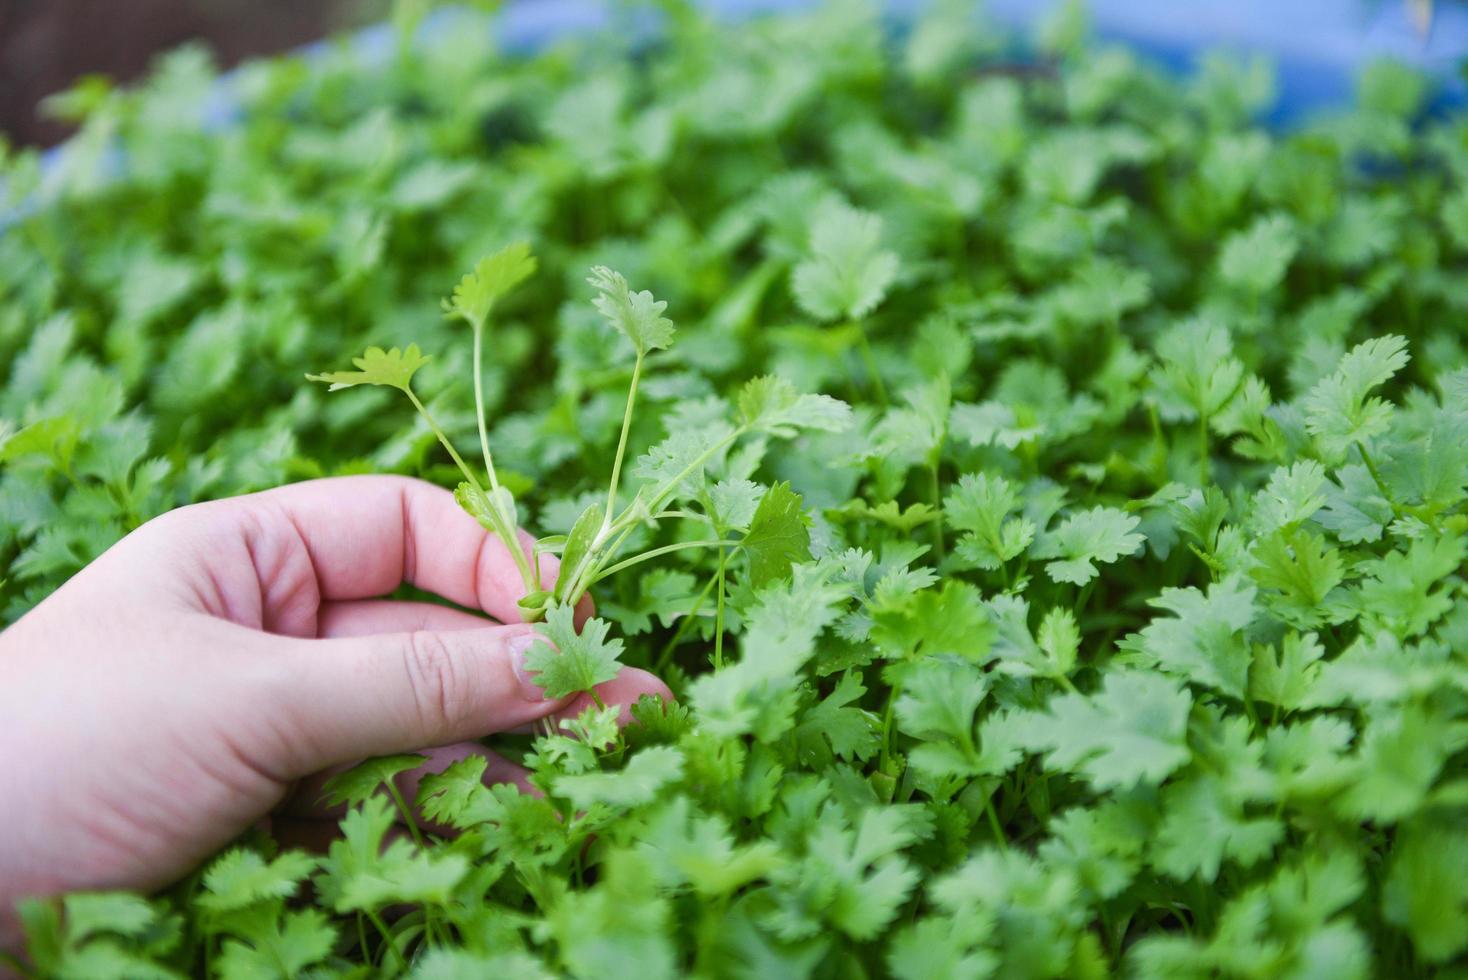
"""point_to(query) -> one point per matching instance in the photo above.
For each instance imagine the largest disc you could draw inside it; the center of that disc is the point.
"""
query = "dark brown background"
(45, 45)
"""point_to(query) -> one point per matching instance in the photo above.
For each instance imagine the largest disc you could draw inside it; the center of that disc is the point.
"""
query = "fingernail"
(518, 645)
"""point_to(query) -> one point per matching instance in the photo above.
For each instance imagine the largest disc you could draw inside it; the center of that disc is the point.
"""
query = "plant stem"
(864, 347)
(1203, 461)
(994, 824)
(689, 617)
(402, 804)
(381, 926)
(936, 493)
(1375, 474)
(665, 549)
(887, 714)
(507, 534)
(494, 482)
(622, 443)
(719, 615)
(433, 425)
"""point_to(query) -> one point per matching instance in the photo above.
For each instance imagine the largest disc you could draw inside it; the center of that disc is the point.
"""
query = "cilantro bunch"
(1051, 517)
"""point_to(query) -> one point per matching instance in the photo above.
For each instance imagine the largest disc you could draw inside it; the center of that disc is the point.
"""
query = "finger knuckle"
(442, 687)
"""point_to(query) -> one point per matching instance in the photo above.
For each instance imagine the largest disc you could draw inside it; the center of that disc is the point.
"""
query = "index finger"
(366, 535)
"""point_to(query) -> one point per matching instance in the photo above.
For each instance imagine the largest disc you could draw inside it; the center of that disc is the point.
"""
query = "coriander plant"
(1075, 590)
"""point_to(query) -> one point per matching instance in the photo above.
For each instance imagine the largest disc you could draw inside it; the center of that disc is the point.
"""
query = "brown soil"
(45, 45)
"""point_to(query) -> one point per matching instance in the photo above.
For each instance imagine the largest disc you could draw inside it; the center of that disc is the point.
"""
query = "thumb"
(400, 692)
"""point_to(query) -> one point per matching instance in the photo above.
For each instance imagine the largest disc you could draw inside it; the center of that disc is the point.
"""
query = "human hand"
(175, 690)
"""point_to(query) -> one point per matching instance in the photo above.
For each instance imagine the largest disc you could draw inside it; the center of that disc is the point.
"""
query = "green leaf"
(579, 553)
(394, 368)
(1199, 370)
(1130, 732)
(848, 272)
(1286, 678)
(771, 404)
(1204, 824)
(1292, 495)
(492, 279)
(778, 536)
(1200, 643)
(1101, 534)
(241, 877)
(283, 950)
(1426, 891)
(981, 506)
(570, 662)
(362, 781)
(88, 914)
(1254, 260)
(637, 316)
(1338, 412)
(646, 774)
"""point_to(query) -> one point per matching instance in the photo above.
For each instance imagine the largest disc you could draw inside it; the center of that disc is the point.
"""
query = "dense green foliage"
(1117, 626)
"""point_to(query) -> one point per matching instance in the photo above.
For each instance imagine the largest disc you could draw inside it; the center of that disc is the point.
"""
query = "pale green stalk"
(506, 534)
(479, 404)
(622, 444)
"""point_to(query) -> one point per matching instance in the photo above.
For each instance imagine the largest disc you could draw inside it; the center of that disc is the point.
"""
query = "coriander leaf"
(571, 661)
(1101, 534)
(1292, 495)
(1425, 892)
(1338, 412)
(981, 506)
(1199, 370)
(778, 536)
(848, 272)
(637, 316)
(1255, 259)
(771, 404)
(394, 368)
(1131, 731)
(646, 774)
(1286, 678)
(493, 277)
(89, 913)
(1204, 823)
(1200, 643)
(241, 877)
(363, 780)
(282, 948)
(852, 732)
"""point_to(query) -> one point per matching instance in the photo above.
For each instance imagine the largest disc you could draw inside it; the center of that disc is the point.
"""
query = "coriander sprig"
(591, 550)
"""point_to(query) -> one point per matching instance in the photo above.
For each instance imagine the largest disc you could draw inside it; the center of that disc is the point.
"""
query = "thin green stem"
(444, 440)
(622, 443)
(494, 482)
(591, 569)
(936, 495)
(1375, 473)
(507, 534)
(887, 715)
(402, 804)
(994, 824)
(869, 358)
(667, 652)
(1204, 466)
(719, 615)
(381, 927)
(654, 553)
